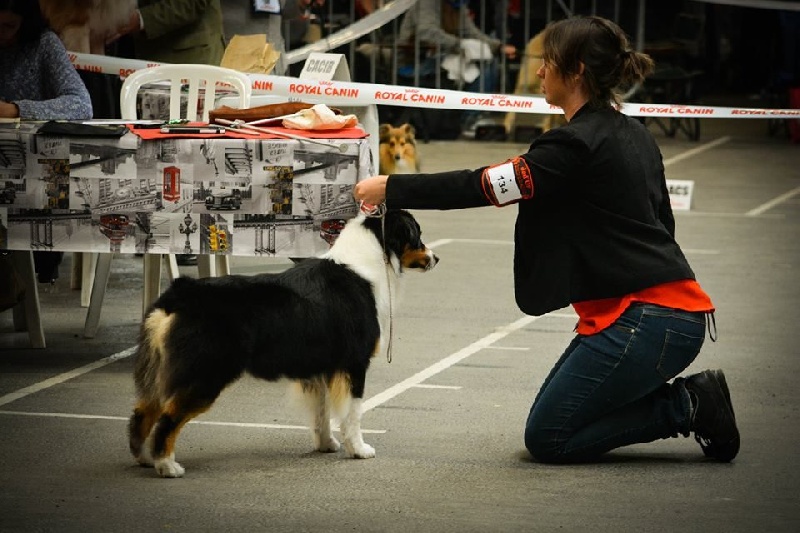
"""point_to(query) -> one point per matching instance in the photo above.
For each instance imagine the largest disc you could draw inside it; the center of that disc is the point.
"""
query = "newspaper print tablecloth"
(209, 196)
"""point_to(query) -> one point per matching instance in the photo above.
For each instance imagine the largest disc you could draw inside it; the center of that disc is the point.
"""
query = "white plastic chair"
(178, 76)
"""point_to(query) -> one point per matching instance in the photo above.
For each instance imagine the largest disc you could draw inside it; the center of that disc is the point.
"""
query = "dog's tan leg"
(317, 399)
(176, 414)
(140, 425)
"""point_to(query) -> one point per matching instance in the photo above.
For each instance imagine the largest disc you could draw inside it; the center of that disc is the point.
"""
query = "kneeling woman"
(595, 230)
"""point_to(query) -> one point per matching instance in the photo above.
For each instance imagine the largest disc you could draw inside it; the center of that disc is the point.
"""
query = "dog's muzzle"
(420, 260)
(432, 259)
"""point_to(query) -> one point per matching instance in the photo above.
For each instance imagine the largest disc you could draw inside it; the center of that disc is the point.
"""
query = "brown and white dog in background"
(398, 149)
(86, 25)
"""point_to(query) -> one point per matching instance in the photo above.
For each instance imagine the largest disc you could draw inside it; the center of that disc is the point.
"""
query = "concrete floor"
(446, 415)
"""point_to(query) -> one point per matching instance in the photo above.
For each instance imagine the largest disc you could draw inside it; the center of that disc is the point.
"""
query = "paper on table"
(319, 117)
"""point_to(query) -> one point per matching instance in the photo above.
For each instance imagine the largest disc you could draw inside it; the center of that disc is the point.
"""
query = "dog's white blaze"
(504, 183)
(357, 248)
(403, 166)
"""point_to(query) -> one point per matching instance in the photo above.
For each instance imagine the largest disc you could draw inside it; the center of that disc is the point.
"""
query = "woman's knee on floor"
(544, 445)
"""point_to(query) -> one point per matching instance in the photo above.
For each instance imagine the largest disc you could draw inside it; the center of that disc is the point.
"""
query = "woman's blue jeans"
(613, 388)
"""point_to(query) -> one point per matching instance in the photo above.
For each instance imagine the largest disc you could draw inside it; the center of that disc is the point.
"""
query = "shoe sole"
(722, 384)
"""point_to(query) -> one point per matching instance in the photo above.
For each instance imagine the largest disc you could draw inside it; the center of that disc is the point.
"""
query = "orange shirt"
(596, 315)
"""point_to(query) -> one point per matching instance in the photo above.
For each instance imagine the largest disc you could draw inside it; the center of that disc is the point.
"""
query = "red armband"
(508, 182)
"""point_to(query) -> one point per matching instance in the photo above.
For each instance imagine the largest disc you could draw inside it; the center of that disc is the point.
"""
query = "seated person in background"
(442, 25)
(38, 81)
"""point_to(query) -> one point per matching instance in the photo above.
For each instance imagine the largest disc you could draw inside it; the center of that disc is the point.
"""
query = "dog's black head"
(401, 237)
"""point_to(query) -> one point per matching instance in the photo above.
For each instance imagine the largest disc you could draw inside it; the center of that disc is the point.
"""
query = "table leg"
(172, 267)
(102, 272)
(205, 266)
(223, 265)
(88, 269)
(27, 315)
(152, 280)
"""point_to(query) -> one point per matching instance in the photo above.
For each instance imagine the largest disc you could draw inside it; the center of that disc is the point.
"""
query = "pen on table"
(184, 129)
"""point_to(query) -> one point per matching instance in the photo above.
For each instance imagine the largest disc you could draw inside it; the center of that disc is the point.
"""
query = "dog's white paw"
(361, 451)
(328, 445)
(169, 467)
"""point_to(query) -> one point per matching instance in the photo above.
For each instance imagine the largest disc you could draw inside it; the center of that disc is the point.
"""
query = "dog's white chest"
(403, 166)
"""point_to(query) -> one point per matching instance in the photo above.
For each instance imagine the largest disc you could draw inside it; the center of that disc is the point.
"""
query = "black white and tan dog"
(318, 323)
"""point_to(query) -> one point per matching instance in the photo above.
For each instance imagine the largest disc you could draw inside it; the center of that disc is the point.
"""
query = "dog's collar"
(377, 211)
(372, 211)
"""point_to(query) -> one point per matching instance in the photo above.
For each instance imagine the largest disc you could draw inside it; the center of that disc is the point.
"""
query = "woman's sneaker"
(713, 421)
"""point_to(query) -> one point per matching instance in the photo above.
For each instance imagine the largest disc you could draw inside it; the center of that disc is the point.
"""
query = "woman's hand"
(8, 110)
(371, 190)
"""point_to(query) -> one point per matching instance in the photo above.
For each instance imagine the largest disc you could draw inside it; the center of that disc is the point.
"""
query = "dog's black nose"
(433, 259)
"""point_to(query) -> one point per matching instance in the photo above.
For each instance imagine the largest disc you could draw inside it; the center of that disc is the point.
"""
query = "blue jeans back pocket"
(682, 342)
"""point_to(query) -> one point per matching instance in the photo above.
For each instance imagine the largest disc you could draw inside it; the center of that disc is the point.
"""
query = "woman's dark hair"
(603, 48)
(33, 23)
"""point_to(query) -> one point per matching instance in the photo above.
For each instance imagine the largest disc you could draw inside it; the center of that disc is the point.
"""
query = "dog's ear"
(410, 131)
(383, 132)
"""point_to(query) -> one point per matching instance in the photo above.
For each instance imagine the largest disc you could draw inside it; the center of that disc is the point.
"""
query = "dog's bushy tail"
(150, 360)
(149, 378)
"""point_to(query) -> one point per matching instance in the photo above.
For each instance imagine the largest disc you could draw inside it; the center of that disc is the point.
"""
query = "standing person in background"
(178, 31)
(38, 80)
(243, 17)
(595, 229)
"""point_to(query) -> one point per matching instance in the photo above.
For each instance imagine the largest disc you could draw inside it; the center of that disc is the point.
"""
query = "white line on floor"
(475, 241)
(448, 387)
(694, 151)
(699, 251)
(197, 422)
(509, 348)
(442, 242)
(61, 378)
(772, 203)
(446, 363)
(709, 214)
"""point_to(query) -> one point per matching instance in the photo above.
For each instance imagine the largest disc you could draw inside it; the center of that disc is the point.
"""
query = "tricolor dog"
(318, 323)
